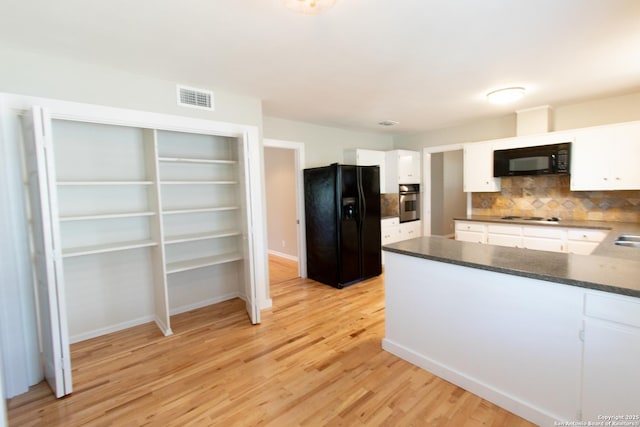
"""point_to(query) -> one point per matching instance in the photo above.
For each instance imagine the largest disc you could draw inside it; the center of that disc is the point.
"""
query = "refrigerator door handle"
(363, 202)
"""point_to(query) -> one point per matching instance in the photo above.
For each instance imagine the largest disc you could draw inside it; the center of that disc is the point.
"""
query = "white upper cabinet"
(478, 168)
(363, 157)
(403, 167)
(606, 158)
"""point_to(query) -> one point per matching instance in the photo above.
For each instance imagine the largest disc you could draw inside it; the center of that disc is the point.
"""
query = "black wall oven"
(550, 159)
(409, 202)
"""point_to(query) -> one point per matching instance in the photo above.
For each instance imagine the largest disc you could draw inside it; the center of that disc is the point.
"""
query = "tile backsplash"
(389, 204)
(549, 195)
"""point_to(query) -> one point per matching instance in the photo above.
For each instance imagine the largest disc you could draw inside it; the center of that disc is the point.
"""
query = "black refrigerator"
(342, 213)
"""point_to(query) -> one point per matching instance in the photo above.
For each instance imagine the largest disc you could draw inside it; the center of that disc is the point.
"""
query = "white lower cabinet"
(544, 238)
(390, 229)
(538, 237)
(504, 235)
(610, 365)
(468, 231)
(393, 231)
(410, 230)
(583, 241)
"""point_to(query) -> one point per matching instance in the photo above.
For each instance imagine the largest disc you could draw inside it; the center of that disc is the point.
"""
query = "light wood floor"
(315, 360)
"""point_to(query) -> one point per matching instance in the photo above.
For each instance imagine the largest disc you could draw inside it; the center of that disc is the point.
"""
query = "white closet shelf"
(195, 160)
(107, 247)
(200, 236)
(105, 216)
(199, 210)
(192, 264)
(191, 182)
(99, 183)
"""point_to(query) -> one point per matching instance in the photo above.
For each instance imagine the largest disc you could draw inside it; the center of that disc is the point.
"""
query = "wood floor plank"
(316, 359)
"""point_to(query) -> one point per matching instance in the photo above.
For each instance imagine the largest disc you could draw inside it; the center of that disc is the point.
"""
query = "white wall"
(609, 110)
(324, 145)
(493, 128)
(280, 185)
(625, 108)
(59, 78)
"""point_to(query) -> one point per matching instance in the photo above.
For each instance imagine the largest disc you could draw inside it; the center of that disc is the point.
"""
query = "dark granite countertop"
(616, 274)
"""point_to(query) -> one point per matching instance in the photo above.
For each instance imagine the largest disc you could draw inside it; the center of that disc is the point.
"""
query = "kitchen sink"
(628, 240)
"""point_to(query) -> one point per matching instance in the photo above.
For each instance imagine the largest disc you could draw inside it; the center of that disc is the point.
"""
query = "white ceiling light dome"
(506, 95)
(309, 7)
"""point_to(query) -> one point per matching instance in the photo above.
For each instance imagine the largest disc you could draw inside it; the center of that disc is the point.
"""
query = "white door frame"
(298, 149)
(426, 182)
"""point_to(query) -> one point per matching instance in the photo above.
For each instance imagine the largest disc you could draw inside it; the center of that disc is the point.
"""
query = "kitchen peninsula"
(552, 337)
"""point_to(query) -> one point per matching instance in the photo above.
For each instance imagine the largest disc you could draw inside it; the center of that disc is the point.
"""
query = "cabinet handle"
(606, 179)
(617, 178)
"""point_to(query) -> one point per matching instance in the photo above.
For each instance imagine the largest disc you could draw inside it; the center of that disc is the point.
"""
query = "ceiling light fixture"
(506, 95)
(388, 123)
(309, 7)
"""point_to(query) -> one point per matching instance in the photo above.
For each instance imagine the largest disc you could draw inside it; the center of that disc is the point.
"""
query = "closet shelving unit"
(199, 185)
(136, 216)
(150, 223)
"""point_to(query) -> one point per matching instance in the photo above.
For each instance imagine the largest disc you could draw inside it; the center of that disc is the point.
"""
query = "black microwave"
(550, 159)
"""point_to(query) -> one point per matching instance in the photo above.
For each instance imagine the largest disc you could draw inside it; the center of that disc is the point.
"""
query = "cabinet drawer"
(548, 232)
(389, 222)
(470, 236)
(504, 240)
(616, 309)
(543, 244)
(581, 248)
(512, 230)
(587, 235)
(470, 226)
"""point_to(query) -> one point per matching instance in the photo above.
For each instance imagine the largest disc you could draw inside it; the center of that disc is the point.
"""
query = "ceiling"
(424, 63)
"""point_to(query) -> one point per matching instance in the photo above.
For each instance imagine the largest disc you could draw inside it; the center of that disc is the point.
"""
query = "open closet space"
(137, 217)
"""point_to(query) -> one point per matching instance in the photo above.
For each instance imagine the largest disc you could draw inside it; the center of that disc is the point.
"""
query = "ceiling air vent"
(195, 98)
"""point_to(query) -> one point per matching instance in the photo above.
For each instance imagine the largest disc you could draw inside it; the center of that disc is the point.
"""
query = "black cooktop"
(532, 218)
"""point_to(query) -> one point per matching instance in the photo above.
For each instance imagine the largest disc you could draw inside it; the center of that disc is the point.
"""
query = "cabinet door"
(611, 374)
(474, 232)
(605, 158)
(478, 168)
(470, 236)
(625, 174)
(47, 252)
(250, 282)
(590, 159)
(408, 167)
(410, 230)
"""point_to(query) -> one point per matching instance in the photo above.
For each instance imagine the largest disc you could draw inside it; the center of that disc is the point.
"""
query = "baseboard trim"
(283, 255)
(498, 397)
(113, 328)
(204, 303)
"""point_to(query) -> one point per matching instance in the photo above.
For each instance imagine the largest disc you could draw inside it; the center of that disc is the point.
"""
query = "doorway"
(444, 198)
(283, 165)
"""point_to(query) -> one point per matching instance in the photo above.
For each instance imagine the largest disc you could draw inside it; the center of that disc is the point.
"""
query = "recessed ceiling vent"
(195, 98)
